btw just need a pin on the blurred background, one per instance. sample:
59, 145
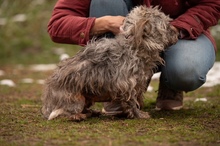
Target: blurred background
23, 33
24, 38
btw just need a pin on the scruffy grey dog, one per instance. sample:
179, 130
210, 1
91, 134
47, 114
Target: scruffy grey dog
111, 69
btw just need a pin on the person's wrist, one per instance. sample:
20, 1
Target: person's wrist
99, 27
182, 33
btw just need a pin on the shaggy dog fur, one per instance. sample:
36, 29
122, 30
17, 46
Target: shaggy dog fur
111, 69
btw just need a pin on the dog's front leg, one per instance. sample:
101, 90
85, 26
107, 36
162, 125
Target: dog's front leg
131, 110
87, 112
141, 114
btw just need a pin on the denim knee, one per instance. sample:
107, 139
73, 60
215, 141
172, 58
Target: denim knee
100, 8
183, 77
187, 63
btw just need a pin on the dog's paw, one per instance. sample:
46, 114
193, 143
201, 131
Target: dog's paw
138, 114
143, 115
78, 117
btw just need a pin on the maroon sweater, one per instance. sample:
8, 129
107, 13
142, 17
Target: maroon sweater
70, 22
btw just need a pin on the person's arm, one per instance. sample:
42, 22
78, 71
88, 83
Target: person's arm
70, 23
202, 15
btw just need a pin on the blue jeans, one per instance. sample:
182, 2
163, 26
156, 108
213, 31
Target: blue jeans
100, 8
186, 63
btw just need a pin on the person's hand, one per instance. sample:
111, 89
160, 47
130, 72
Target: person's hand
115, 23
107, 24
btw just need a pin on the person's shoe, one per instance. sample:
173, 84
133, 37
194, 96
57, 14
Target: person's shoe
169, 99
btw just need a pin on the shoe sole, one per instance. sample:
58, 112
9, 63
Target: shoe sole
168, 105
173, 108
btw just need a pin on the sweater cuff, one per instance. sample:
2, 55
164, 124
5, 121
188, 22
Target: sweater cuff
183, 34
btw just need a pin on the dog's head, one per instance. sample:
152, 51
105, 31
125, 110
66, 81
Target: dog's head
150, 28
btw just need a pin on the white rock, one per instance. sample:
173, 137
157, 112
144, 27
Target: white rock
40, 81
201, 99
27, 80
19, 18
150, 89
64, 56
7, 82
43, 67
213, 76
156, 76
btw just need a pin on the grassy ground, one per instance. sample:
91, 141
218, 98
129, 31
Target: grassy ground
21, 123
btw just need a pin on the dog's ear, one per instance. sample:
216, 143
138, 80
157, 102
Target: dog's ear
142, 27
143, 36
56, 113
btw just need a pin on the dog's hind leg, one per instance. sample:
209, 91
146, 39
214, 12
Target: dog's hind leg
70, 106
